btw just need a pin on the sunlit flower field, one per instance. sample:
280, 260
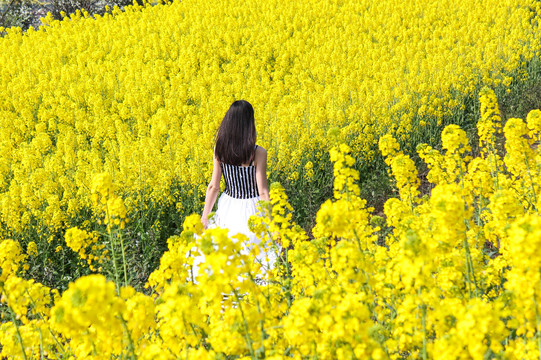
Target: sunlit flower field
107, 127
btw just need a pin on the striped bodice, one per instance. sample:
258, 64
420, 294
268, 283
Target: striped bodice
240, 182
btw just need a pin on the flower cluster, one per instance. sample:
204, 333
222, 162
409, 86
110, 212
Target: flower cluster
106, 203
86, 245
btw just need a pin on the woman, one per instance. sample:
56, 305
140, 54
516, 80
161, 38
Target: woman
243, 165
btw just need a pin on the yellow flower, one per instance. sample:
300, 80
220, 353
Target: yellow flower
32, 249
74, 316
11, 256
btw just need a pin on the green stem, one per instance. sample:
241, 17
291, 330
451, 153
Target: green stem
42, 319
131, 346
14, 321
288, 295
316, 356
538, 320
423, 322
469, 267
353, 356
285, 262
19, 337
41, 355
469, 261
201, 338
111, 239
531, 180
159, 336
468, 280
494, 169
123, 259
245, 323
472, 270
358, 240
262, 326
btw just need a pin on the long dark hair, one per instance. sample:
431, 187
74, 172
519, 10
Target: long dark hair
235, 140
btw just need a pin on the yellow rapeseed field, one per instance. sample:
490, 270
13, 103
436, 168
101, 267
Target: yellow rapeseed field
434, 291
103, 118
139, 94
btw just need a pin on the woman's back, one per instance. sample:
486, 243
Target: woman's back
240, 180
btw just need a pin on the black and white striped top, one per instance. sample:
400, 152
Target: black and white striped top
240, 182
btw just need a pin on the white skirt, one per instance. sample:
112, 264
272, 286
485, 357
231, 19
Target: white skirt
233, 214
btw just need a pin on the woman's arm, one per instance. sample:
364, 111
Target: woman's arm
260, 163
212, 191
262, 184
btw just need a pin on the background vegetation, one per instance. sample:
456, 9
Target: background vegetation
26, 13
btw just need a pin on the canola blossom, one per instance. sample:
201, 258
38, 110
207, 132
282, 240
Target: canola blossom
139, 94
434, 291
107, 127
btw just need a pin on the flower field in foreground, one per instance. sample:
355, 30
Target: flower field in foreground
434, 291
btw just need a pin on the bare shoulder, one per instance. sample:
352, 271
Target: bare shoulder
260, 156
